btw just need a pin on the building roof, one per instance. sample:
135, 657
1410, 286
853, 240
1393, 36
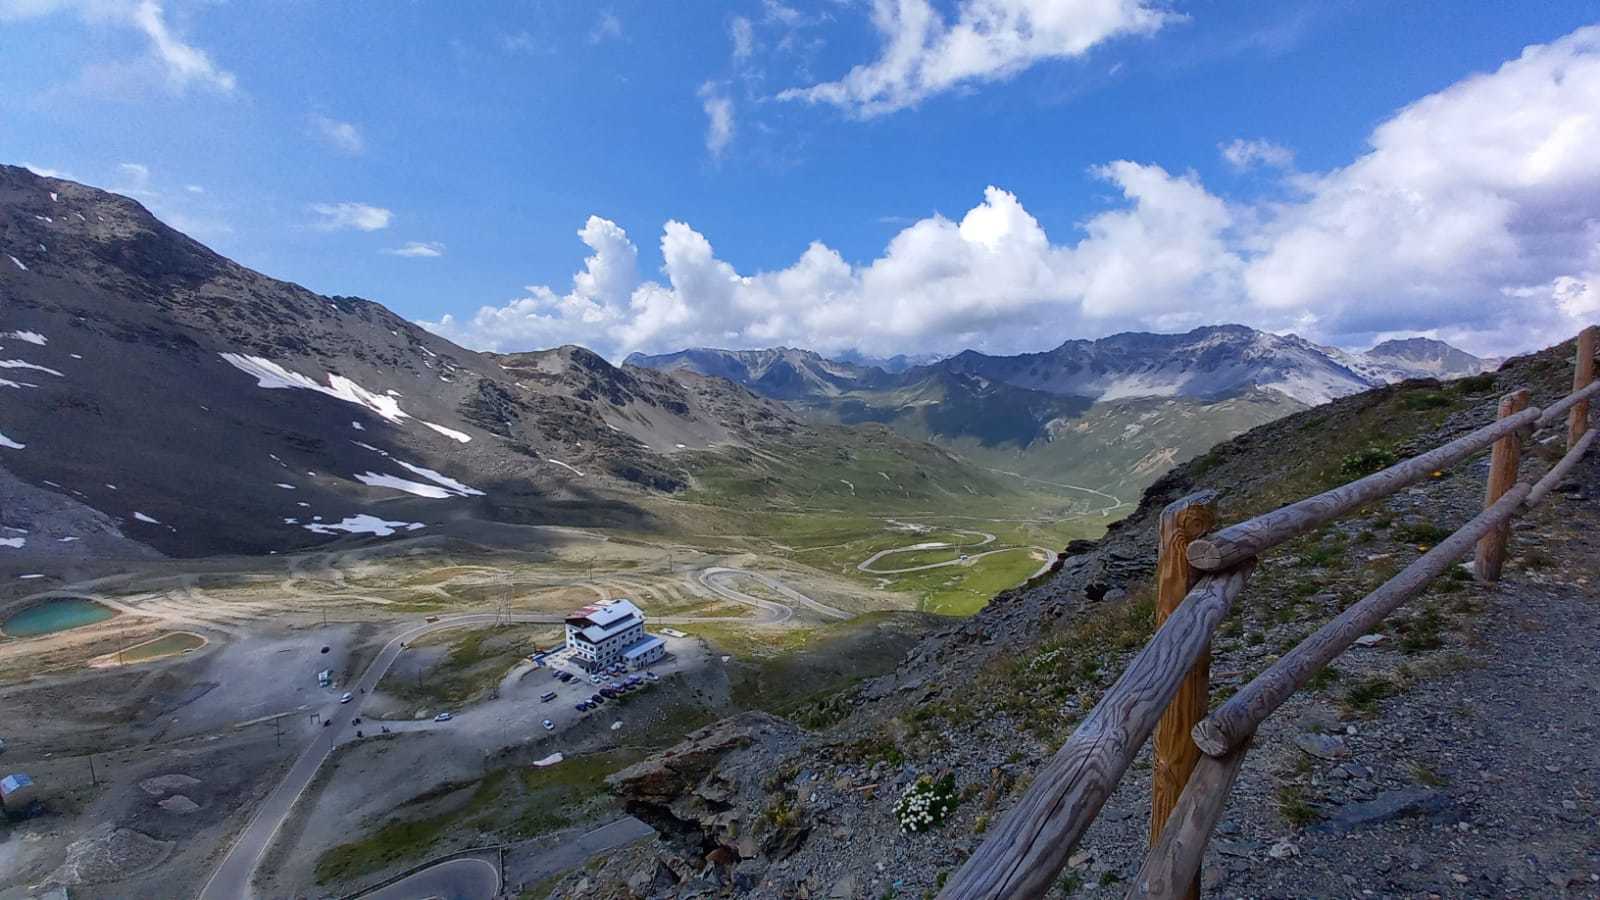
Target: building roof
642, 646
15, 782
605, 614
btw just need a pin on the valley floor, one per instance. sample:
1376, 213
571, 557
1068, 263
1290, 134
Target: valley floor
172, 738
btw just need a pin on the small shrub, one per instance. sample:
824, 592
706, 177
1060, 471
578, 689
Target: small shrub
926, 804
1476, 384
1366, 461
1069, 883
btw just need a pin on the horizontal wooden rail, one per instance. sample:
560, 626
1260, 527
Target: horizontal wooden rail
1174, 860
1559, 408
1238, 718
1026, 849
1250, 538
1561, 469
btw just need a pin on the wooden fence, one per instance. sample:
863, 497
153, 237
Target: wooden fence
1164, 688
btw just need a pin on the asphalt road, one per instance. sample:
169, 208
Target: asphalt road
231, 880
470, 878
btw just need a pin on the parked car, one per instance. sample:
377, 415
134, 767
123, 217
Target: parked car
551, 695
549, 725
597, 699
652, 676
594, 679
346, 697
443, 717
582, 707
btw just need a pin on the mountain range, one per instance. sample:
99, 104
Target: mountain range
1111, 413
158, 398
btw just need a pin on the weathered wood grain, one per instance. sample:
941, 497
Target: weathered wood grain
1028, 846
1243, 713
1236, 543
1560, 469
1503, 464
1172, 868
1582, 377
1175, 753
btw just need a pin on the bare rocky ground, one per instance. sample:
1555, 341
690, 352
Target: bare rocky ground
1452, 756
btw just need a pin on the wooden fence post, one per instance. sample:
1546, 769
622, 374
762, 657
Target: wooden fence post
1582, 374
1175, 752
1503, 461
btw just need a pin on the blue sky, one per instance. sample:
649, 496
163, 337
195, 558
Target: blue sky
442, 158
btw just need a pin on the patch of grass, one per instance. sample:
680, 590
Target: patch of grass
1423, 400
1295, 807
1420, 532
1424, 631
1069, 883
511, 804
1324, 678
1422, 774
1475, 384
1363, 696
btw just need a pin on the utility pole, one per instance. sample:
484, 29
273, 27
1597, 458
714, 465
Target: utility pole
93, 779
277, 727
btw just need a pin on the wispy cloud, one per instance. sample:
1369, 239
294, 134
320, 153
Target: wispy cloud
416, 249
719, 118
608, 27
344, 137
181, 64
45, 172
1246, 155
743, 35
356, 216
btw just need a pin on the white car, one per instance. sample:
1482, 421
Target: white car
443, 717
346, 698
549, 725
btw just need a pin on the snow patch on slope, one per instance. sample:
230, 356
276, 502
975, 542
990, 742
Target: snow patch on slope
271, 375
450, 433
32, 337
377, 479
363, 524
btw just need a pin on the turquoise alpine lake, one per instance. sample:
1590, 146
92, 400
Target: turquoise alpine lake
55, 615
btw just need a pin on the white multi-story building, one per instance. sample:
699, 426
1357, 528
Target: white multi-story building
611, 632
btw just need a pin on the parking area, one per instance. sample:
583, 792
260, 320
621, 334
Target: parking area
520, 710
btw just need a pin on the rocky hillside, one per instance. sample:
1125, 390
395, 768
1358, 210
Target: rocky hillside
157, 398
1385, 777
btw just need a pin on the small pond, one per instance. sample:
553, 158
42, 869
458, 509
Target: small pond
55, 615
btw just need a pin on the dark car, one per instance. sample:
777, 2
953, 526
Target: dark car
582, 707
597, 699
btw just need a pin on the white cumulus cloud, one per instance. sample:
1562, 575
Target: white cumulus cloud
925, 54
1474, 215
